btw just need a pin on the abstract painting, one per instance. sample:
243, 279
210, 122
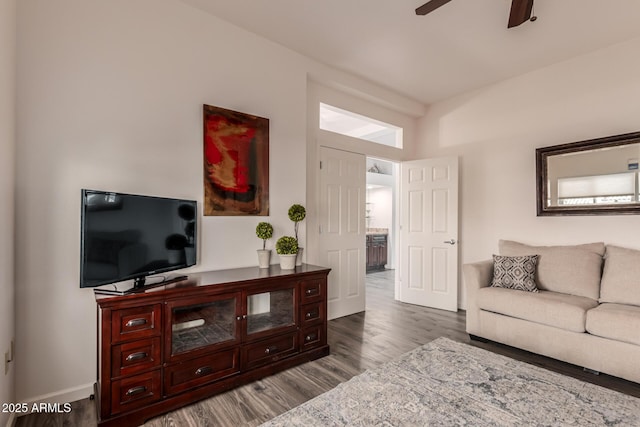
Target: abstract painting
236, 163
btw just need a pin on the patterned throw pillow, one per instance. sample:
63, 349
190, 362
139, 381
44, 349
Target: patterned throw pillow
515, 272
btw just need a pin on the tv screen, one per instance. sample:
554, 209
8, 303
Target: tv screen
127, 236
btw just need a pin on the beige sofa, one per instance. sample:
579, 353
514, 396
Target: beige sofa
582, 313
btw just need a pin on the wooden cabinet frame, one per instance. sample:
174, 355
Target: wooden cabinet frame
139, 377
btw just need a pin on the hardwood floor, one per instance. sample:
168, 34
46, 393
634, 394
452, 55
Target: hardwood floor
383, 332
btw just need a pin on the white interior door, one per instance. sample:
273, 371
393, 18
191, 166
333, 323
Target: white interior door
342, 236
429, 233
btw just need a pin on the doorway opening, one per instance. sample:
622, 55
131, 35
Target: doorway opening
381, 227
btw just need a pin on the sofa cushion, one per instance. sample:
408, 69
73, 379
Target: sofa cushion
515, 272
621, 276
573, 270
548, 308
618, 322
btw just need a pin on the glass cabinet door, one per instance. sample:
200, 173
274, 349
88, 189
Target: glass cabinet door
202, 323
270, 310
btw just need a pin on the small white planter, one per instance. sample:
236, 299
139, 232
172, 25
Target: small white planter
264, 258
288, 262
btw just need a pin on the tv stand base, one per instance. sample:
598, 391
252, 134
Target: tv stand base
139, 288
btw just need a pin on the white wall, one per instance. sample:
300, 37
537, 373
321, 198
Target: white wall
495, 131
7, 147
110, 97
381, 199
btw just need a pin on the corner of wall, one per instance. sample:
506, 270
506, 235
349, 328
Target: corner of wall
8, 60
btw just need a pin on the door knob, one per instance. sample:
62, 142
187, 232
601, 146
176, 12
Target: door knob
451, 242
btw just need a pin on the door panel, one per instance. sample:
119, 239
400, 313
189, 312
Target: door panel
353, 264
429, 223
342, 229
332, 200
415, 268
440, 212
439, 280
417, 216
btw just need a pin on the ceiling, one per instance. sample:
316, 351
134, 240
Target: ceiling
462, 46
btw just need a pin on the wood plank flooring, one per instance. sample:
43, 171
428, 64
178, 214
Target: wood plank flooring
383, 332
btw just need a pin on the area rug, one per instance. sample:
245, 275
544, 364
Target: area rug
447, 383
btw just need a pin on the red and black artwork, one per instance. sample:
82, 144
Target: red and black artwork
236, 163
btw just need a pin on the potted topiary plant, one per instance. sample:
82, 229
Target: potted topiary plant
296, 214
264, 231
287, 248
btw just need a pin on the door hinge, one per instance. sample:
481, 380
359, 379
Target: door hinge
320, 164
320, 229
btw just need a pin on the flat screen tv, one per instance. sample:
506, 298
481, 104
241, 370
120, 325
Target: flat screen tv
130, 237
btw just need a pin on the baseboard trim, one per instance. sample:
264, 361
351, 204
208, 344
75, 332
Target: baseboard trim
62, 396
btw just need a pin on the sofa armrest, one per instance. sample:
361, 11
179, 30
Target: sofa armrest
476, 275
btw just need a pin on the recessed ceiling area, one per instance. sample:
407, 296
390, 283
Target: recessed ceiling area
461, 46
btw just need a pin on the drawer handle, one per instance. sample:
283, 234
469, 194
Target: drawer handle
311, 314
271, 350
136, 390
135, 322
312, 291
310, 337
136, 356
204, 370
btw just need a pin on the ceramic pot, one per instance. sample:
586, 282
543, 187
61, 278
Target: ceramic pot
299, 256
288, 262
264, 258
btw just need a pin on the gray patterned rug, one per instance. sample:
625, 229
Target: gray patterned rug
446, 383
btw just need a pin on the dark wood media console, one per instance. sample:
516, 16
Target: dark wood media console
170, 346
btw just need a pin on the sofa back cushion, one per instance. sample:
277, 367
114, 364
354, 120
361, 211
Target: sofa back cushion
621, 276
573, 270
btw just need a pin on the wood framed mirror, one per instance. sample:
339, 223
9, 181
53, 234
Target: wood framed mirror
593, 177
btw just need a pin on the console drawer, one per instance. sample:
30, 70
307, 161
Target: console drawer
135, 392
312, 337
202, 370
135, 323
133, 357
311, 314
312, 290
270, 350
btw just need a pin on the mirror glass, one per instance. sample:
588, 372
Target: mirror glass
592, 177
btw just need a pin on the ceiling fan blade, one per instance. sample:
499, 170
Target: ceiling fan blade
430, 6
520, 12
